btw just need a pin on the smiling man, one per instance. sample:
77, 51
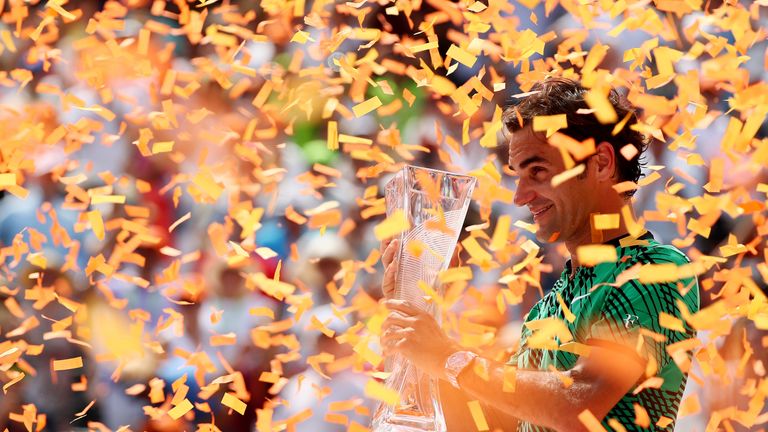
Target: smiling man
615, 340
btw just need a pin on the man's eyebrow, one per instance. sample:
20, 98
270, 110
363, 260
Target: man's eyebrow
530, 160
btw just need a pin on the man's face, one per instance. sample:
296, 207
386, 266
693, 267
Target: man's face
561, 212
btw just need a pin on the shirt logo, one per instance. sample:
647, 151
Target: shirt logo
631, 321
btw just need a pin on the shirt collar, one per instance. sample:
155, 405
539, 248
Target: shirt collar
616, 241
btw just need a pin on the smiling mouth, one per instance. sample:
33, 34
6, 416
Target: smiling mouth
541, 211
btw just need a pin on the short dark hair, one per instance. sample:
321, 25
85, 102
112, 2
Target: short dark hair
559, 95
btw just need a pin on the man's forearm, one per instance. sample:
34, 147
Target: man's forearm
539, 397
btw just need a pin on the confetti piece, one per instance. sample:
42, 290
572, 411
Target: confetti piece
364, 108
546, 331
641, 416
590, 421
357, 427
85, 410
392, 225
97, 223
629, 152
68, 364
569, 316
349, 139
510, 378
591, 255
333, 136
326, 170
488, 140
664, 422
162, 147
656, 273
671, 322
455, 274
409, 97
424, 47
378, 391
261, 97
56, 6
594, 58
531, 228
477, 7
477, 415
108, 199
597, 99
207, 184
564, 176
7, 179
231, 401
301, 37
223, 340
689, 405
606, 221
579, 150
13, 381
461, 56
180, 221
476, 251
612, 422
550, 124
179, 410
265, 252
135, 389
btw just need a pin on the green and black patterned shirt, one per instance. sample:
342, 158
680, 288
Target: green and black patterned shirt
608, 313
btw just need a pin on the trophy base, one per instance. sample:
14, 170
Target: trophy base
409, 423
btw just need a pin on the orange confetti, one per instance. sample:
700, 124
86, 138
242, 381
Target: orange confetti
68, 364
477, 415
364, 108
378, 391
231, 401
396, 223
590, 421
179, 410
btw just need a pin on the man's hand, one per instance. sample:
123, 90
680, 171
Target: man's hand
390, 267
417, 336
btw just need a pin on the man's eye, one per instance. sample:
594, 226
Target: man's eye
537, 171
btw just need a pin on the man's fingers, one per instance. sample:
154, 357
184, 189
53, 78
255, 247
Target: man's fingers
392, 346
389, 252
394, 335
396, 319
402, 306
385, 244
388, 285
390, 271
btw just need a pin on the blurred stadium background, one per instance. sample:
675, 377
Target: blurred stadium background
191, 190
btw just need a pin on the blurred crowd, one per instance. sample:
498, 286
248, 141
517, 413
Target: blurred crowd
239, 256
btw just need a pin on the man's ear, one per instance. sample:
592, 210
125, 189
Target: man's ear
605, 161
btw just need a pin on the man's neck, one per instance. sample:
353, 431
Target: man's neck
586, 238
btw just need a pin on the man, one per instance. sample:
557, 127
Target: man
619, 340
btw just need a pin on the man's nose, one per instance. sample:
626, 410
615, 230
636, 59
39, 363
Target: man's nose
524, 194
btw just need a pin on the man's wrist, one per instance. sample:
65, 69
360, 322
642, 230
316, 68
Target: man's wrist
455, 364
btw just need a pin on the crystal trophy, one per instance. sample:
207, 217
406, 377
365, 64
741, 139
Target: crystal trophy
435, 204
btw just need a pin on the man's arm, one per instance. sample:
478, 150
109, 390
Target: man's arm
556, 399
551, 399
